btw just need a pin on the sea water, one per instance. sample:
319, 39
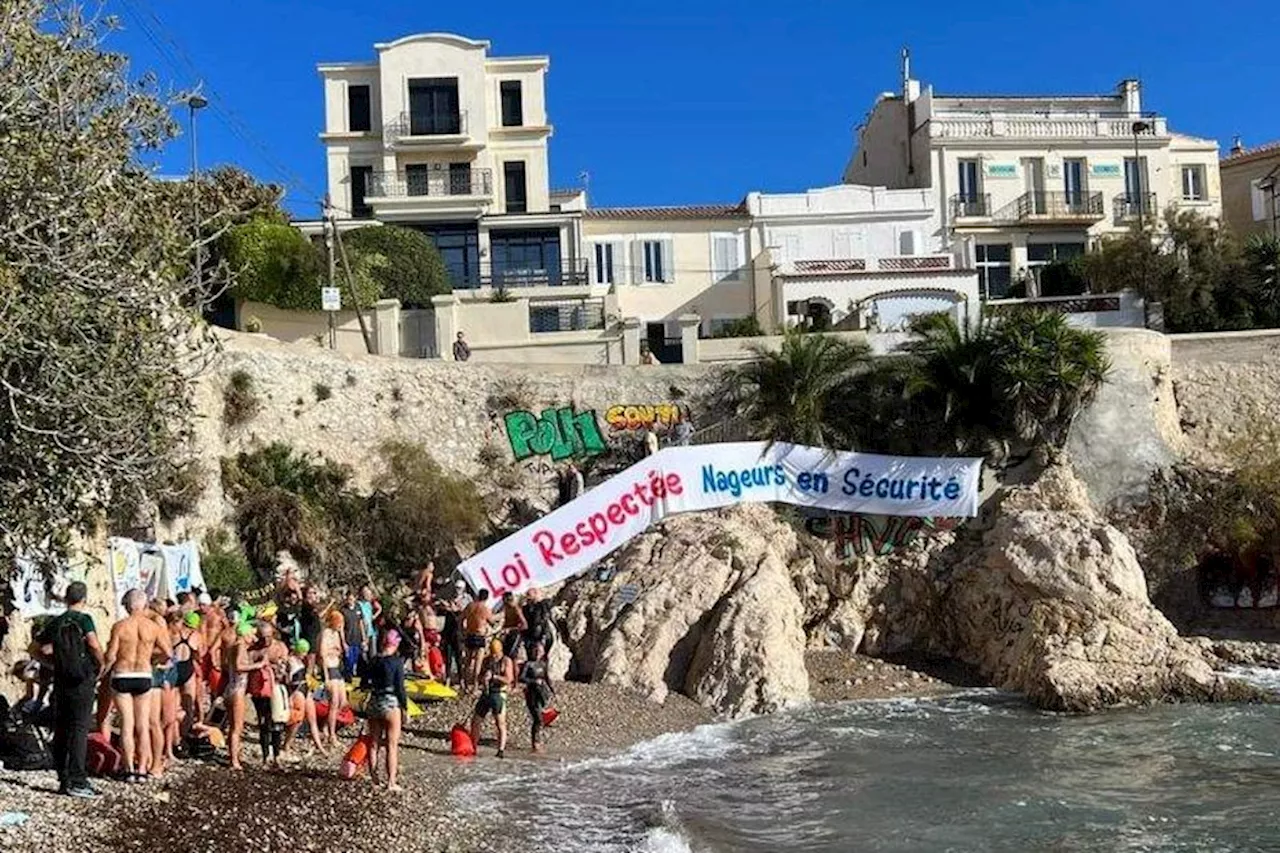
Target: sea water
978, 770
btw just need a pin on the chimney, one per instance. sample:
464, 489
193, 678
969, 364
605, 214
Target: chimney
1237, 147
1130, 91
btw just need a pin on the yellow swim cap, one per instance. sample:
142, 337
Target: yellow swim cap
495, 648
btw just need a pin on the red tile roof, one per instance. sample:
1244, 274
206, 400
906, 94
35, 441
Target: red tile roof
1257, 152
686, 211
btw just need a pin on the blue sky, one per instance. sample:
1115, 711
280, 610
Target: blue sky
701, 101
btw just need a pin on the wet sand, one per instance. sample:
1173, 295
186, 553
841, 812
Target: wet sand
202, 807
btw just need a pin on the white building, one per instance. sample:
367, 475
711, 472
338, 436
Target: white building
437, 135
1020, 181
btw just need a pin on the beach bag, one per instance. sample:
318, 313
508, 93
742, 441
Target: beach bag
279, 704
102, 758
346, 717
357, 757
549, 716
71, 659
259, 683
460, 742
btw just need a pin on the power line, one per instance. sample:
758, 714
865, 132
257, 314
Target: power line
179, 61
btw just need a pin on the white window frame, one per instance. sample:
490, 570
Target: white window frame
734, 271
643, 272
1199, 176
613, 249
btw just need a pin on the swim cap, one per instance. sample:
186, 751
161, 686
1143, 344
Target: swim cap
192, 619
244, 628
301, 647
236, 617
495, 648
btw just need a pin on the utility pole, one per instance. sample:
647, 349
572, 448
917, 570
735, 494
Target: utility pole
329, 229
351, 287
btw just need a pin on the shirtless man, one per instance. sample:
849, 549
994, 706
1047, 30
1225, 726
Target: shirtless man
136, 641
213, 621
499, 673
477, 620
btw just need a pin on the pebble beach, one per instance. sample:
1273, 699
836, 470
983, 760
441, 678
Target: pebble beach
201, 806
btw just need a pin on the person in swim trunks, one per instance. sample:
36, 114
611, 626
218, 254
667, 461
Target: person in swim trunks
135, 642
499, 672
477, 620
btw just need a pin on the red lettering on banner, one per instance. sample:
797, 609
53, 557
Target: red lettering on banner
673, 484
569, 543
493, 587
628, 503
599, 526
640, 493
616, 514
546, 543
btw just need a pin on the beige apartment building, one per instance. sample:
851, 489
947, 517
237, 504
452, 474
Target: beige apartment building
1251, 189
1022, 180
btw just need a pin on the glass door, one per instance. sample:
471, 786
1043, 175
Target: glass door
1033, 184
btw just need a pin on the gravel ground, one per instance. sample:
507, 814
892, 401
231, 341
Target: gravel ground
201, 807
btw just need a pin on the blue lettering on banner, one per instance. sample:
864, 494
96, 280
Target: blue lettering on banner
807, 482
898, 488
736, 482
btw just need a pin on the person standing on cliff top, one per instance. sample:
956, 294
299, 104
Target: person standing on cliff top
650, 441
461, 351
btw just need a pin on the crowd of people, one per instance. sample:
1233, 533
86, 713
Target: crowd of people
179, 678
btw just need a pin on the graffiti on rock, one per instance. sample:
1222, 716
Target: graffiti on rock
559, 433
859, 535
622, 418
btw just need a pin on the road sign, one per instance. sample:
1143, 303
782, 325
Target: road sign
330, 299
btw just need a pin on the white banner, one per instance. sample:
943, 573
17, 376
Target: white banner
574, 537
161, 571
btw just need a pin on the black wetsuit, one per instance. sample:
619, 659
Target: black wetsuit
538, 615
537, 693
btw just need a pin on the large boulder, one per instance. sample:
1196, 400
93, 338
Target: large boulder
702, 605
1053, 604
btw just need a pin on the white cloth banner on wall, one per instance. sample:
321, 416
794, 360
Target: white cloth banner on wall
161, 571
571, 539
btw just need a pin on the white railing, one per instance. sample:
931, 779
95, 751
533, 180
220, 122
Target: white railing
854, 266
1031, 127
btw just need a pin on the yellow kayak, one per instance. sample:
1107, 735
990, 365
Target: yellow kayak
428, 690
358, 697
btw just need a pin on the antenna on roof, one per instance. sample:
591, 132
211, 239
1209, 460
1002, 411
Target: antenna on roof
906, 68
1237, 146
585, 177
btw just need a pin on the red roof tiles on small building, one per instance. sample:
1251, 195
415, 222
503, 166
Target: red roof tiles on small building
1255, 153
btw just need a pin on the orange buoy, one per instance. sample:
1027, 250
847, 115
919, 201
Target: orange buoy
435, 662
460, 742
356, 758
549, 716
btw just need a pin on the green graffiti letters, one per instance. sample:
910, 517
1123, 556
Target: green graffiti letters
559, 433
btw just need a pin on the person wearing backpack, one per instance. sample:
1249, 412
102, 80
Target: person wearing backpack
69, 642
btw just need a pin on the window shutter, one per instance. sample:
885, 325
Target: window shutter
636, 273
906, 242
1259, 200
668, 260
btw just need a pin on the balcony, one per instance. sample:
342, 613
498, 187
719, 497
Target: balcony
433, 183
1127, 208
970, 206
564, 273
1055, 207
419, 130
1064, 126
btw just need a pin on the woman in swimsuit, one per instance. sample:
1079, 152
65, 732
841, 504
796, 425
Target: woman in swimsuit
383, 677
332, 651
302, 708
273, 657
239, 664
537, 691
188, 647
164, 704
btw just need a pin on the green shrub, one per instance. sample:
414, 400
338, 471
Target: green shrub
743, 327
275, 263
277, 465
419, 512
223, 564
240, 401
413, 271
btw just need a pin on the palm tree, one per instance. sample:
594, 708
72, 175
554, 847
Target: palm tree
788, 394
1022, 377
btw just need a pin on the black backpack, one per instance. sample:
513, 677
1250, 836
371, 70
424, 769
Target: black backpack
72, 663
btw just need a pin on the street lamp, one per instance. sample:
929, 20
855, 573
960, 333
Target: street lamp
1139, 127
196, 102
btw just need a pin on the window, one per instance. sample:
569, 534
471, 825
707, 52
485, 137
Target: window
725, 260
1073, 180
968, 180
655, 260
603, 271
459, 248
513, 180
417, 179
359, 186
359, 117
1193, 183
526, 257
906, 242
433, 107
1258, 200
994, 269
460, 179
1135, 178
512, 103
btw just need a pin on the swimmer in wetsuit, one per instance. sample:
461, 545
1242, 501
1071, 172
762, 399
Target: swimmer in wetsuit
135, 642
538, 692
499, 673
